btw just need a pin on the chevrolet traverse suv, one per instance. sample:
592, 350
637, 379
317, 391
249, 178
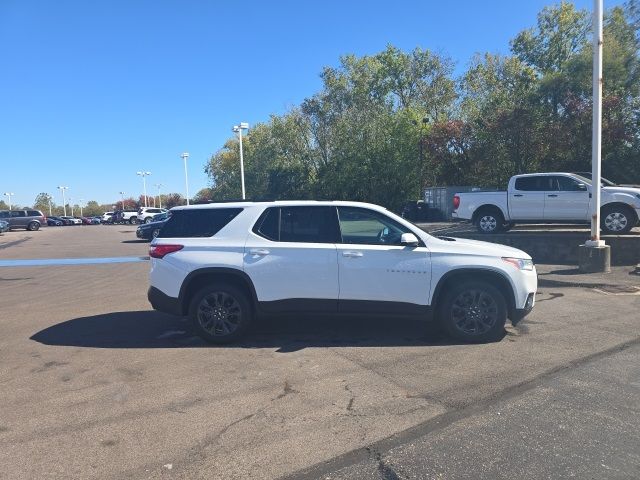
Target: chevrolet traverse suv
223, 264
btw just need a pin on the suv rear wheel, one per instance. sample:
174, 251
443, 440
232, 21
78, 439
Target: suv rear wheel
33, 226
220, 313
473, 312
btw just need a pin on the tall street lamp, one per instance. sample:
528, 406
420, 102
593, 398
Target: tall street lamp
238, 129
49, 204
159, 197
81, 201
64, 203
122, 197
184, 157
144, 185
71, 205
9, 194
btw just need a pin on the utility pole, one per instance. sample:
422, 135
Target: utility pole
64, 203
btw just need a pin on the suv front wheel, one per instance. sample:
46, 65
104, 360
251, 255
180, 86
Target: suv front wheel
220, 313
473, 312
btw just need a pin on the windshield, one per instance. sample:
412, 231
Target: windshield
586, 177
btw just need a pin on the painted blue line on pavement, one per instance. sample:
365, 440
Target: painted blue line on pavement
40, 262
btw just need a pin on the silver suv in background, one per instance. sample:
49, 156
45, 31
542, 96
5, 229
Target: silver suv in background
29, 219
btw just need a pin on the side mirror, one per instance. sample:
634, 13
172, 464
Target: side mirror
582, 187
409, 240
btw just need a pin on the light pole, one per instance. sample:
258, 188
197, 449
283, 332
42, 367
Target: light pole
144, 185
238, 129
184, 157
49, 205
122, 197
71, 205
81, 200
9, 194
159, 197
64, 203
594, 255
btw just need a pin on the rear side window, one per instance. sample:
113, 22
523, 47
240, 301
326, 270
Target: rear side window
535, 184
299, 224
17, 213
33, 213
197, 222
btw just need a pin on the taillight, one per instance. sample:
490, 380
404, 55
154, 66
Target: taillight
456, 202
159, 251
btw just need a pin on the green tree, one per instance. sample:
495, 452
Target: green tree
43, 201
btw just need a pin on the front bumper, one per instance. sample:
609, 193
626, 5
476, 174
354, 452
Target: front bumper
519, 313
164, 303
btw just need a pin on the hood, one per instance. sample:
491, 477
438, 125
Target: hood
628, 190
477, 247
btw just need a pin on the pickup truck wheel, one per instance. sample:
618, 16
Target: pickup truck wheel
617, 220
489, 221
473, 312
220, 313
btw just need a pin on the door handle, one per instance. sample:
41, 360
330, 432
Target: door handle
552, 195
518, 195
259, 251
351, 254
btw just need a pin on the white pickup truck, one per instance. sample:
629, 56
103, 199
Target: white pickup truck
548, 198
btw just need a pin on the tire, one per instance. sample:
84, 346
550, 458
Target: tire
489, 221
234, 313
33, 226
473, 312
617, 219
133, 220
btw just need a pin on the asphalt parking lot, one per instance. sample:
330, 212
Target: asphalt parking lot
94, 384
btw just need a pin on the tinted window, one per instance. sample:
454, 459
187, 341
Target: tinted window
268, 225
308, 224
4, 214
366, 227
18, 213
566, 184
198, 222
535, 184
33, 213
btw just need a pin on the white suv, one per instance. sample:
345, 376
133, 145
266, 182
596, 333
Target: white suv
221, 264
146, 214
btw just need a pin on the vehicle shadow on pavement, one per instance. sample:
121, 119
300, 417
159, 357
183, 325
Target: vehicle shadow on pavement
150, 329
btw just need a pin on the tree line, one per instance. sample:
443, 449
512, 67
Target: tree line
385, 126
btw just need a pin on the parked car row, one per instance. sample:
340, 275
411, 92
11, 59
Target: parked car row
142, 215
150, 230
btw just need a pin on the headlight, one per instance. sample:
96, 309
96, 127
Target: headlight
519, 263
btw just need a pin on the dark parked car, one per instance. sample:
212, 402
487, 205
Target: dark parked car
54, 222
149, 231
64, 221
4, 226
29, 219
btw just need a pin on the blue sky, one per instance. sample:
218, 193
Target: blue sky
91, 92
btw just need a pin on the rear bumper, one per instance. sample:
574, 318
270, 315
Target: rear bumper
164, 303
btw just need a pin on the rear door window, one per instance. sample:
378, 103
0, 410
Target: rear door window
18, 213
535, 184
33, 213
299, 224
197, 222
